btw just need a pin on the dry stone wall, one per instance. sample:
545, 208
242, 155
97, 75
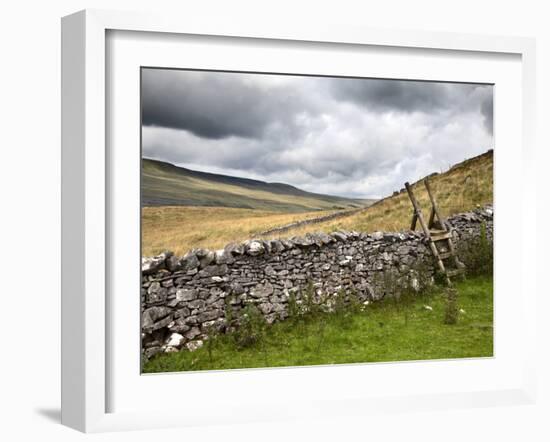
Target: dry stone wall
317, 220
182, 298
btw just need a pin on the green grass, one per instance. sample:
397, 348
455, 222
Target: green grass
384, 331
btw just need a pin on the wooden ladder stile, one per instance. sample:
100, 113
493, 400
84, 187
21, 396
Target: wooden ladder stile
435, 235
444, 226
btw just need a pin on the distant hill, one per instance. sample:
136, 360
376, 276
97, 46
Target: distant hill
163, 184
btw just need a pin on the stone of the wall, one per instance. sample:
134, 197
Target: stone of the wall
182, 298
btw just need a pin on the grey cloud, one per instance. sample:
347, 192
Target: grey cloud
487, 111
397, 95
217, 104
417, 96
410, 96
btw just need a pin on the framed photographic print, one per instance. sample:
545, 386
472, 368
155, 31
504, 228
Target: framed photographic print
290, 222
276, 225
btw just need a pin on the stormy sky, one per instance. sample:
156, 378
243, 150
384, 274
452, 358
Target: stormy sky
359, 138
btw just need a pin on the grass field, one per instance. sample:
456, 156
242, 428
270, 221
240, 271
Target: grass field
384, 331
181, 228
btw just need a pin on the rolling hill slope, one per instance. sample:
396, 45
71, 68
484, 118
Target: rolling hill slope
461, 188
164, 184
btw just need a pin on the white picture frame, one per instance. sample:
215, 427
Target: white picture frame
87, 207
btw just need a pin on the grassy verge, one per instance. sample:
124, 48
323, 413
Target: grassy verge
411, 329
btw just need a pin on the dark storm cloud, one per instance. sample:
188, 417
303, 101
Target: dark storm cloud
415, 96
403, 96
330, 135
215, 105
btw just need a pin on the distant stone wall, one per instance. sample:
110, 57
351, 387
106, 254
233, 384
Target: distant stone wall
317, 220
184, 297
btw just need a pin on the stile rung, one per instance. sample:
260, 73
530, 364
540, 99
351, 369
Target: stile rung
454, 272
440, 237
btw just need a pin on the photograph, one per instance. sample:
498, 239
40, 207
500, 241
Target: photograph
302, 220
